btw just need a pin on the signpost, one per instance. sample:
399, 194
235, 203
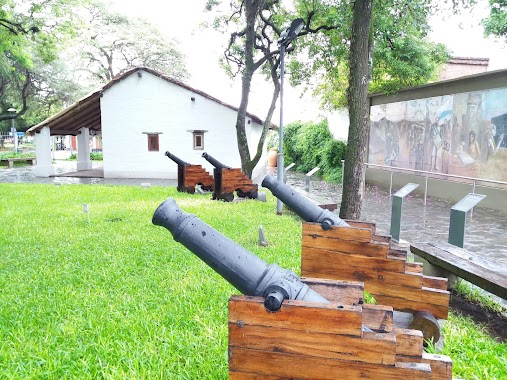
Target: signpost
396, 209
459, 217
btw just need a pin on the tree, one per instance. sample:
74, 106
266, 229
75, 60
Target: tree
357, 97
113, 43
379, 46
253, 47
30, 35
496, 23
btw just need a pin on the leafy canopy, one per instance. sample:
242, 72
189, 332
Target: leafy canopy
496, 23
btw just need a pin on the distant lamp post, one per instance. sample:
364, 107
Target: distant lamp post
284, 41
12, 111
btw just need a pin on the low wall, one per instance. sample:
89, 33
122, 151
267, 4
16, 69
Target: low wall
496, 198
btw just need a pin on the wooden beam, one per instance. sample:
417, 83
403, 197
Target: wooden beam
456, 260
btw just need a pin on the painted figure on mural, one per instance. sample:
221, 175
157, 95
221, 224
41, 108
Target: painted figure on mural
490, 136
419, 156
436, 139
391, 144
473, 147
445, 157
456, 135
412, 144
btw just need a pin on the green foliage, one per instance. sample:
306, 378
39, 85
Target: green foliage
117, 297
16, 155
369, 299
113, 43
109, 295
402, 55
396, 67
309, 145
475, 294
31, 35
94, 156
334, 154
273, 140
474, 354
496, 23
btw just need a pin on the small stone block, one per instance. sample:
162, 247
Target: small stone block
145, 185
261, 196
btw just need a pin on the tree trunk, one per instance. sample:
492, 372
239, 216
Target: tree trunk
251, 9
267, 121
357, 96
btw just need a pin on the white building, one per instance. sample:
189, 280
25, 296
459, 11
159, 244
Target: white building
140, 115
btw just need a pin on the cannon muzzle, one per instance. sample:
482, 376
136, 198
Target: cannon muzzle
307, 210
246, 272
214, 162
179, 161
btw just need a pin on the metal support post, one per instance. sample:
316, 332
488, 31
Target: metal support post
308, 178
286, 170
397, 205
458, 218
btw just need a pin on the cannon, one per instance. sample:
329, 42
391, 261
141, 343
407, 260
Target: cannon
217, 164
228, 180
189, 176
178, 160
241, 268
307, 210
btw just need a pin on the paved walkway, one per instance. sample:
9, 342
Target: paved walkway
486, 229
485, 232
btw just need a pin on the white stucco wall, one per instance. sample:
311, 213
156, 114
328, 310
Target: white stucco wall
150, 104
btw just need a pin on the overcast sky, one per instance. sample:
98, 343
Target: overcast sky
181, 20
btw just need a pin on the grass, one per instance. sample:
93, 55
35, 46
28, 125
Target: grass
475, 355
109, 295
117, 297
94, 156
474, 294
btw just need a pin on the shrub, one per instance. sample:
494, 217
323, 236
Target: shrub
311, 144
15, 155
334, 153
94, 156
290, 147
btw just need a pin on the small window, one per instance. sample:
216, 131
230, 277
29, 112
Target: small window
198, 140
153, 143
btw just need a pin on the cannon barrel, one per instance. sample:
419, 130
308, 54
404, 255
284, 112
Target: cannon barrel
246, 272
214, 162
178, 160
306, 209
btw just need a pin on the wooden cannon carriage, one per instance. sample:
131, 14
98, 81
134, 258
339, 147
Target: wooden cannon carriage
308, 340
346, 250
228, 180
286, 327
189, 176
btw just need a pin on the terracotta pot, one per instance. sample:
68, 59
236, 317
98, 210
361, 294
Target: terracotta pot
272, 157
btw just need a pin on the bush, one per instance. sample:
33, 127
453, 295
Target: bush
334, 153
290, 147
94, 156
15, 155
309, 145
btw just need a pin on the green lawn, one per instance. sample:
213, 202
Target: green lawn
109, 295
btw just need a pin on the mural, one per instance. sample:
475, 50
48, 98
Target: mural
462, 134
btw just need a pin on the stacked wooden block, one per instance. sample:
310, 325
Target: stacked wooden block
189, 176
357, 253
227, 181
326, 341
